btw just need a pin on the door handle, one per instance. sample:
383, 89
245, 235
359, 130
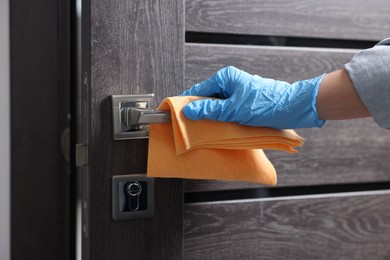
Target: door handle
134, 118
131, 116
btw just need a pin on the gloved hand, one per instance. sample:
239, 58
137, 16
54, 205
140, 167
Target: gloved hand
255, 101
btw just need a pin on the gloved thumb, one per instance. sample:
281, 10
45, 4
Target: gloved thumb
204, 109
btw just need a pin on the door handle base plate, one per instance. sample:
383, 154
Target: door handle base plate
119, 102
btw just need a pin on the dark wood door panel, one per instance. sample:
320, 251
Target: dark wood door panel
283, 63
342, 152
351, 19
137, 47
352, 151
335, 226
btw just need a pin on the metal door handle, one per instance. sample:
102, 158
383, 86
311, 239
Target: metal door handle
131, 116
134, 117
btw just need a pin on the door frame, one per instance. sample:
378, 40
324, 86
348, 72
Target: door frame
41, 196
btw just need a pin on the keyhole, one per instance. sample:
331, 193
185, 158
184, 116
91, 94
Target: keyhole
133, 191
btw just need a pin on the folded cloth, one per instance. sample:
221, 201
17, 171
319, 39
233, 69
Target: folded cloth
213, 150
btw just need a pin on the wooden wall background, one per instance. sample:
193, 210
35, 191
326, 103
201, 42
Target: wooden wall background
349, 155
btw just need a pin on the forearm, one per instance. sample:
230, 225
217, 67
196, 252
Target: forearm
338, 99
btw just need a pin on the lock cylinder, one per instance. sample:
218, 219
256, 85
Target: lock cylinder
132, 196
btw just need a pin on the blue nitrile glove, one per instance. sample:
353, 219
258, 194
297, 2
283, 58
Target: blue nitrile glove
255, 101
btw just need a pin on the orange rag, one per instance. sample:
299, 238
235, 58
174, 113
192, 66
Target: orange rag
213, 150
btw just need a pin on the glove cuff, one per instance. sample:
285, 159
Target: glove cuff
304, 111
317, 121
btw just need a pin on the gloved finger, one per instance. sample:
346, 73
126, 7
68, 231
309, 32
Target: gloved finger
205, 109
219, 85
211, 87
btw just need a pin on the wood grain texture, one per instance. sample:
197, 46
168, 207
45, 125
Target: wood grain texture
350, 19
283, 63
341, 152
40, 106
332, 227
136, 47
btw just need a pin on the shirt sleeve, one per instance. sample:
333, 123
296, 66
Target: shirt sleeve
369, 71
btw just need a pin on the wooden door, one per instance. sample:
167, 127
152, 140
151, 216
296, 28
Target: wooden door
331, 201
129, 47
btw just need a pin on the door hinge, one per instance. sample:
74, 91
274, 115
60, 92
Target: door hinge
81, 155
